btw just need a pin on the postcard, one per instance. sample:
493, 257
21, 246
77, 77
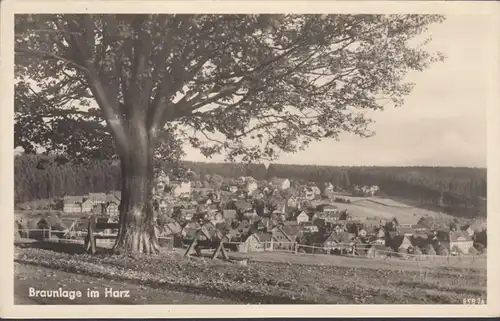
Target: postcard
250, 158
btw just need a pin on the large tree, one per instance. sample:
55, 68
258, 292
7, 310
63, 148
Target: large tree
247, 86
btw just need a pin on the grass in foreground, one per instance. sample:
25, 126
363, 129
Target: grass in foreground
268, 282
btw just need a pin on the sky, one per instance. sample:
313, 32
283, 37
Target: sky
443, 121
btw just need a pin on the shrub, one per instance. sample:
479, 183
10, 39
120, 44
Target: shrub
479, 247
473, 251
428, 250
417, 251
441, 250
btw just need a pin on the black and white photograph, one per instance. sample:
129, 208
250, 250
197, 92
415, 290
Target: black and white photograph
267, 158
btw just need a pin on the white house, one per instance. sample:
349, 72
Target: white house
281, 183
182, 189
285, 184
315, 190
233, 189
72, 204
112, 209
87, 206
302, 217
252, 187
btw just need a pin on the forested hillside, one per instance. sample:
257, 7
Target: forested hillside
458, 186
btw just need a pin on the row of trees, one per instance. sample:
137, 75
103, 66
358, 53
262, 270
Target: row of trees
37, 178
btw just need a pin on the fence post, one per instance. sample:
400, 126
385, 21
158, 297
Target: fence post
50, 232
295, 247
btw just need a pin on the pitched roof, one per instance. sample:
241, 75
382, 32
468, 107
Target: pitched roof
263, 236
69, 199
97, 197
459, 236
405, 230
173, 228
229, 214
242, 205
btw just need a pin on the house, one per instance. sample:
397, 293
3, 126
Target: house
281, 183
292, 231
233, 189
328, 209
112, 209
455, 241
379, 232
406, 231
252, 186
309, 228
377, 250
258, 242
404, 221
265, 224
182, 189
302, 217
419, 228
97, 198
375, 239
399, 241
114, 196
87, 206
292, 202
229, 215
468, 229
72, 204
281, 240
335, 241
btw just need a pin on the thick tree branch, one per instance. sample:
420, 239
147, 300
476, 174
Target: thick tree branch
48, 55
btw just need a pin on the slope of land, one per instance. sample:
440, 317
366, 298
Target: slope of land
386, 208
42, 278
268, 282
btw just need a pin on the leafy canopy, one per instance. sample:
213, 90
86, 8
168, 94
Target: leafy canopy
247, 86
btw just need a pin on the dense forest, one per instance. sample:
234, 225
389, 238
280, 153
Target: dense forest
36, 177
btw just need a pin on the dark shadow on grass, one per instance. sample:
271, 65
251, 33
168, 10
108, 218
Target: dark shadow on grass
62, 247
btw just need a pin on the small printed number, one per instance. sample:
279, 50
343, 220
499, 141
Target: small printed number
473, 301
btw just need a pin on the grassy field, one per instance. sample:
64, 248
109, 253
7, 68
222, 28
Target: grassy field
289, 279
385, 208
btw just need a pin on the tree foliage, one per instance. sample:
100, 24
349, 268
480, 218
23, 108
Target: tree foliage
279, 81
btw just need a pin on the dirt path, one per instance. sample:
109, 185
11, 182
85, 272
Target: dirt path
48, 279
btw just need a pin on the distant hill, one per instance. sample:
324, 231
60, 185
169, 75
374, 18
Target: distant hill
459, 190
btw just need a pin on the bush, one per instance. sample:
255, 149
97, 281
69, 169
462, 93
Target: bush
441, 250
479, 247
428, 250
473, 251
417, 251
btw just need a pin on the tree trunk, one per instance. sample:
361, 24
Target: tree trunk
137, 233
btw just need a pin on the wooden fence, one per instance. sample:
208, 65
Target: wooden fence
344, 249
